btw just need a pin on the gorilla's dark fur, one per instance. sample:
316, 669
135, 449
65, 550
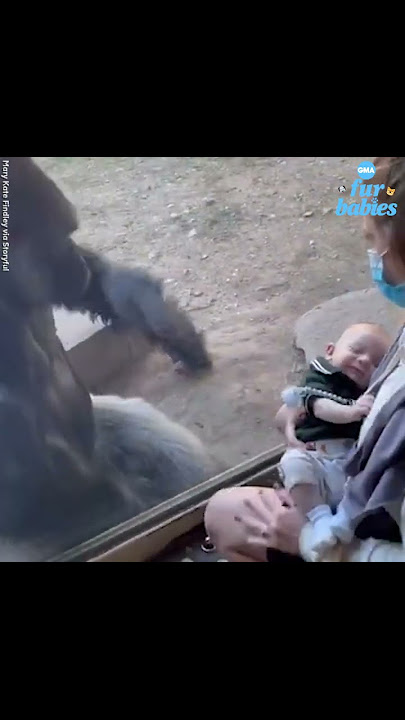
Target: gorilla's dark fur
71, 465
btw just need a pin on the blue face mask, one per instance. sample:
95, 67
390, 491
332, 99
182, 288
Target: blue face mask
394, 293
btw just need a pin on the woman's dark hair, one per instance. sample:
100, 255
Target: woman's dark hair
390, 172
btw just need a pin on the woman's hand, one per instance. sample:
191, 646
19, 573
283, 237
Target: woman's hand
272, 520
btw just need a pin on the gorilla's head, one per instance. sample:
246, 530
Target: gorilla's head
43, 264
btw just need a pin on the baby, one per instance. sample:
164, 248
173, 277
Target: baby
322, 418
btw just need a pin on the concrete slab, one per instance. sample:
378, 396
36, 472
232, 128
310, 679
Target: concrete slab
325, 322
98, 353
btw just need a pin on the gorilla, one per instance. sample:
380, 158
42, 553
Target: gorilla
73, 465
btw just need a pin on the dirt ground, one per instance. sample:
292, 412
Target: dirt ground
247, 245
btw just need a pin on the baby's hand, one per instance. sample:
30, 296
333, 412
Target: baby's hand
292, 417
362, 406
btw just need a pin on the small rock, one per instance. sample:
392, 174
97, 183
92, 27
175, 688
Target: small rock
170, 205
272, 216
188, 560
325, 211
209, 201
187, 271
312, 243
197, 293
204, 257
308, 213
192, 233
174, 216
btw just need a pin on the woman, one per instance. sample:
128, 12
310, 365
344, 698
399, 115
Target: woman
250, 524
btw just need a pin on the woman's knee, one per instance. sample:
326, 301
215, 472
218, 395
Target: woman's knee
223, 528
218, 516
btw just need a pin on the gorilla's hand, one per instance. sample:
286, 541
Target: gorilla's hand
133, 298
138, 301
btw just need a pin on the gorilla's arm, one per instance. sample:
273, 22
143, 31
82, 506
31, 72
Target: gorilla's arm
131, 297
120, 296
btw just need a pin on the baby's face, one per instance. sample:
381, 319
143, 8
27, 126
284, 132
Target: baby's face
358, 352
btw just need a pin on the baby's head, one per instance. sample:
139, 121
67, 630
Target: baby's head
359, 351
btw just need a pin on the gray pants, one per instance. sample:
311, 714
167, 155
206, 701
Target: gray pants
322, 467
